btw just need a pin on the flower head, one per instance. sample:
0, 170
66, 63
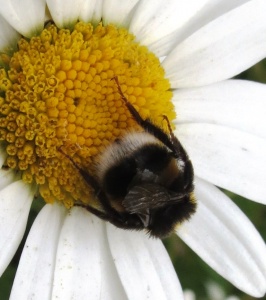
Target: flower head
60, 109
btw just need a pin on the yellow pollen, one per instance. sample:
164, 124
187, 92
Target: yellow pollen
57, 100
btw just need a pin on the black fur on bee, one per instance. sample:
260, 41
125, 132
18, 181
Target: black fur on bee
143, 180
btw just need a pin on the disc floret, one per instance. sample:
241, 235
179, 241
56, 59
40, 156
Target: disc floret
57, 100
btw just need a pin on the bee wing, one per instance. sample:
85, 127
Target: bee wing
142, 198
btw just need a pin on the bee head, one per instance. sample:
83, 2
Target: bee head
159, 209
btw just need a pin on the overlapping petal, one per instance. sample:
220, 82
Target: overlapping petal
26, 16
78, 270
154, 20
91, 11
15, 202
224, 237
111, 284
203, 12
35, 272
227, 157
164, 268
217, 52
137, 265
8, 36
7, 176
123, 11
64, 12
238, 104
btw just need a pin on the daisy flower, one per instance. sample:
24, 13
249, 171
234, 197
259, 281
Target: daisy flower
172, 58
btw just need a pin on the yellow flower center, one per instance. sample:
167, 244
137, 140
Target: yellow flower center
57, 96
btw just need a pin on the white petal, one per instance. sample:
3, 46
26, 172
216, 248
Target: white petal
91, 11
224, 237
8, 36
7, 176
118, 12
135, 265
221, 49
156, 19
238, 104
78, 262
65, 12
35, 272
26, 16
111, 284
15, 202
194, 15
227, 157
164, 268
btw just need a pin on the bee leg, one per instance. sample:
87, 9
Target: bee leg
171, 142
169, 127
87, 177
108, 213
100, 214
178, 148
147, 125
121, 220
180, 151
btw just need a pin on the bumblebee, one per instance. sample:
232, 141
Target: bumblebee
143, 181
